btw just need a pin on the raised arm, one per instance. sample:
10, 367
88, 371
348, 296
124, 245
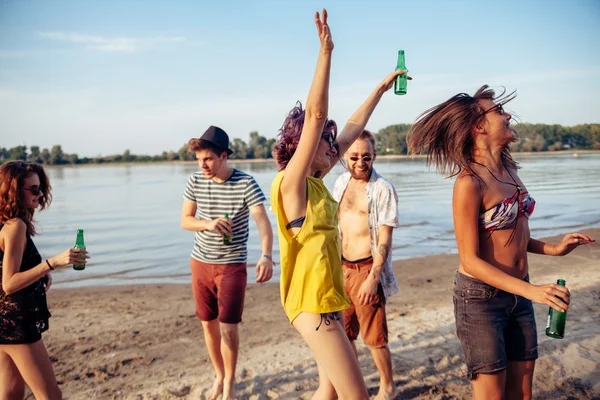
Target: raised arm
357, 122
293, 184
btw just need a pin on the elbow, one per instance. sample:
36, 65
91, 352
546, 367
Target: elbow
468, 263
8, 289
316, 112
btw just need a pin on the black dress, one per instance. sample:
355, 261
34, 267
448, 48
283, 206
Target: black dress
24, 314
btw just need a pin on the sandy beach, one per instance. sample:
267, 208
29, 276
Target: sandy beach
144, 341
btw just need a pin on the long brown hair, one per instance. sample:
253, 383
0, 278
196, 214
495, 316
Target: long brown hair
445, 131
12, 201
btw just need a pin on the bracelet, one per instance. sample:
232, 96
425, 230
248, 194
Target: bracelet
50, 266
268, 257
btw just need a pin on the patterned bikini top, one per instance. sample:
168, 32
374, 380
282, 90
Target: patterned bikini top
504, 214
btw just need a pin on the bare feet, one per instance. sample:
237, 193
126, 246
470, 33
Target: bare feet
387, 395
229, 391
217, 389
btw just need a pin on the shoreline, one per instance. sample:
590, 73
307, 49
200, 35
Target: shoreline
271, 160
145, 342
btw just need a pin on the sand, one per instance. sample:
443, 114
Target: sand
144, 341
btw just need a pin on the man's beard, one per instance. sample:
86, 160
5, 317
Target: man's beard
360, 175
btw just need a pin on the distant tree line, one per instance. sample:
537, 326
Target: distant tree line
533, 137
390, 140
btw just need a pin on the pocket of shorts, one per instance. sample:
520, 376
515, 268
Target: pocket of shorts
477, 294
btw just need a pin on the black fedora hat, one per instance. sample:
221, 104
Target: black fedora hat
218, 137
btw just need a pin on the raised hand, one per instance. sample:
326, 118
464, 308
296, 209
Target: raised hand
68, 257
570, 242
388, 82
323, 31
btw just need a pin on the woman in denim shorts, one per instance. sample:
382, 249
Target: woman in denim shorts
468, 137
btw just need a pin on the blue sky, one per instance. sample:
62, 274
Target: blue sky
99, 77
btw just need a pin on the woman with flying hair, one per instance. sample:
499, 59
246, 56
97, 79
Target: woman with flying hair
312, 288
468, 137
24, 187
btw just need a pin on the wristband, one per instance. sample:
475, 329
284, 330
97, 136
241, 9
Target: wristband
50, 266
268, 257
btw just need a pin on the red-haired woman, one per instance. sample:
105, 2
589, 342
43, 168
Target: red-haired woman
25, 278
468, 137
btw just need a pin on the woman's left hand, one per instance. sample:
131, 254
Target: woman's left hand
570, 242
48, 281
388, 82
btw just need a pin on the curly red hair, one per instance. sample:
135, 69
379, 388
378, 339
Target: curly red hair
12, 177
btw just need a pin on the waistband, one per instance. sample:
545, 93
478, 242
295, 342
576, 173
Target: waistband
357, 264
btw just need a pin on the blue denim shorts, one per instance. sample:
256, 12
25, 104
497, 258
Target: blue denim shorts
493, 326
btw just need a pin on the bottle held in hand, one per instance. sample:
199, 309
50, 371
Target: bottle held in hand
401, 81
227, 239
555, 327
79, 244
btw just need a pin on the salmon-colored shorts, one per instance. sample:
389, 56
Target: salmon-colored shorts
219, 290
367, 319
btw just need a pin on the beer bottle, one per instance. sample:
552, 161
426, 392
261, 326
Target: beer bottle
227, 239
400, 82
79, 244
555, 327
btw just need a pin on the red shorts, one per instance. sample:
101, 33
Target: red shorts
219, 290
368, 319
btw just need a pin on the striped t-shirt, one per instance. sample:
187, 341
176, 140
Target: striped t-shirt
213, 200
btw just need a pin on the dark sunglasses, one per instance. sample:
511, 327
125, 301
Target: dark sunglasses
498, 108
329, 137
366, 159
34, 189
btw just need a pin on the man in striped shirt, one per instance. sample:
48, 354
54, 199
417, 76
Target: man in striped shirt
217, 203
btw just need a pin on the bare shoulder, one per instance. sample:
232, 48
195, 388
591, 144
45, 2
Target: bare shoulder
467, 184
14, 228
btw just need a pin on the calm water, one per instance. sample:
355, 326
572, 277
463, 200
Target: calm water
131, 213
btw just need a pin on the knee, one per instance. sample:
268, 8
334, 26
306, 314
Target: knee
229, 333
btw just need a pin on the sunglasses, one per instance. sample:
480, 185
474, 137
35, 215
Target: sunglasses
329, 137
498, 108
35, 190
366, 159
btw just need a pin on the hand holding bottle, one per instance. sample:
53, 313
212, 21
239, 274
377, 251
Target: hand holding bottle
222, 226
389, 80
553, 295
70, 256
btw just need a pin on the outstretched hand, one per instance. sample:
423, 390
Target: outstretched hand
570, 242
388, 82
323, 31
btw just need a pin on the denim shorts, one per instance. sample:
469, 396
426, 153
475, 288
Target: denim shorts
493, 326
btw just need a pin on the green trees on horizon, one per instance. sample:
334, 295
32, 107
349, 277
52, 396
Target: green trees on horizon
391, 140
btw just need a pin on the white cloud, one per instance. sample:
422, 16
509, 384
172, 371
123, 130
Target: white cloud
112, 44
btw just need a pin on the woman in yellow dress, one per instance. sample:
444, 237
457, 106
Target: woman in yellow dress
312, 288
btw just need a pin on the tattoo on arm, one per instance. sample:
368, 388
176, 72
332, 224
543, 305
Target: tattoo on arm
383, 250
375, 271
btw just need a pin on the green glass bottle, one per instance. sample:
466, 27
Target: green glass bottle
227, 239
401, 81
555, 327
79, 244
